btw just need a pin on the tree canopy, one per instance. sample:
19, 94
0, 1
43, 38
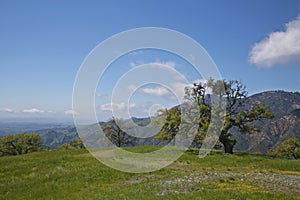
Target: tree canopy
19, 144
290, 149
228, 96
115, 134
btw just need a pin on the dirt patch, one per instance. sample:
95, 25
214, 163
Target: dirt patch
286, 183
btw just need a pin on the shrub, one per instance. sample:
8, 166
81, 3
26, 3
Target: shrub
289, 149
19, 144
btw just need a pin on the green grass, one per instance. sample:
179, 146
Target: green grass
243, 161
77, 175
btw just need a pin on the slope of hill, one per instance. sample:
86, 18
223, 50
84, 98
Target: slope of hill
76, 174
286, 124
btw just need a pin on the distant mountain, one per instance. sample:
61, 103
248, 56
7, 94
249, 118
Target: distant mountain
286, 124
13, 127
55, 137
52, 134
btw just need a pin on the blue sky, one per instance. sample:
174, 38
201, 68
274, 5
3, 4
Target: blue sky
43, 44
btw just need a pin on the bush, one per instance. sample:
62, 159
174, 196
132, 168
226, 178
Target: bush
289, 149
75, 144
19, 144
65, 146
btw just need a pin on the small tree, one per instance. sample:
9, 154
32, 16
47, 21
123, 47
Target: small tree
19, 144
170, 121
115, 134
77, 143
194, 125
290, 149
65, 146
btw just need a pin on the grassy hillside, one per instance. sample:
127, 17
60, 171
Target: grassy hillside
76, 175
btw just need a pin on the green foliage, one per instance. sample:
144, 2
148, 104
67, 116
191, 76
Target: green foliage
115, 134
19, 144
289, 149
75, 144
203, 94
65, 146
236, 95
195, 122
170, 121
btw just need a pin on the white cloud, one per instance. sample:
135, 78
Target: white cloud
136, 52
136, 63
122, 110
110, 107
132, 88
176, 90
71, 112
279, 48
8, 110
158, 91
192, 57
132, 105
133, 64
102, 96
174, 94
170, 64
115, 106
98, 94
33, 110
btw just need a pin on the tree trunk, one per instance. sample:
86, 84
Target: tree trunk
227, 142
228, 147
119, 140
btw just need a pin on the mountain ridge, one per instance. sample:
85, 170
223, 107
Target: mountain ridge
286, 124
